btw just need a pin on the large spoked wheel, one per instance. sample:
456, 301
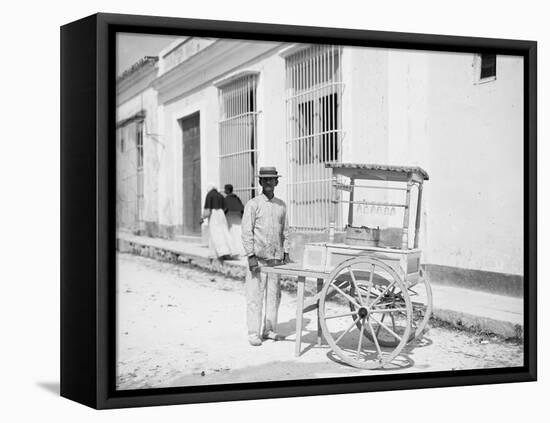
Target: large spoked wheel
355, 301
420, 295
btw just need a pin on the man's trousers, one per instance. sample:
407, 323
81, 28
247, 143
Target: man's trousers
255, 293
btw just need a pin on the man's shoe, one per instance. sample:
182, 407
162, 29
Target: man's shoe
254, 340
274, 336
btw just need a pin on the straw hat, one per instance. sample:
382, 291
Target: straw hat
268, 172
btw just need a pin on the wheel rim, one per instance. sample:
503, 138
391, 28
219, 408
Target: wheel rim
422, 304
345, 329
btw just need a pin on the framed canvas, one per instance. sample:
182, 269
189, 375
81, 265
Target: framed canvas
257, 211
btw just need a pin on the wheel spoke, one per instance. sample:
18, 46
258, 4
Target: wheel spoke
350, 299
385, 304
387, 328
382, 293
375, 340
360, 337
370, 290
368, 294
341, 315
381, 320
371, 278
389, 310
343, 284
354, 281
347, 330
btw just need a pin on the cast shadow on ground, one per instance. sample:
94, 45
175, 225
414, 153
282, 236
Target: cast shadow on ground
310, 337
272, 371
401, 362
51, 387
289, 328
421, 342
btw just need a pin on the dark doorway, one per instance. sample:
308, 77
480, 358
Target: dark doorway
190, 128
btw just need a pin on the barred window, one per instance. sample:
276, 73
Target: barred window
139, 145
488, 66
314, 134
485, 68
130, 175
140, 188
238, 136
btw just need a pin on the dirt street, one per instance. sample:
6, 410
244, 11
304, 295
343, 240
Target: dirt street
179, 326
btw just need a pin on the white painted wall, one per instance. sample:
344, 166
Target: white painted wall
365, 104
424, 109
475, 196
272, 119
365, 120
399, 107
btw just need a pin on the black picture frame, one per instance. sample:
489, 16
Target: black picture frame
88, 240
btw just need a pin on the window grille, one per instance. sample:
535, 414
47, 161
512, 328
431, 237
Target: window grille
485, 68
130, 162
314, 134
140, 191
238, 136
488, 66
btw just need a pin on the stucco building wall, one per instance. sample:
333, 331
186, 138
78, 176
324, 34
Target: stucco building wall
427, 109
398, 107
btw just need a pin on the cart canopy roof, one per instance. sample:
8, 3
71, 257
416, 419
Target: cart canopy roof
379, 172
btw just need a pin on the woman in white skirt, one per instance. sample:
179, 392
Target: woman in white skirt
219, 240
234, 208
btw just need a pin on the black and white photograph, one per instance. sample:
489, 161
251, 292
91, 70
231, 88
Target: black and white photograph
265, 212
297, 211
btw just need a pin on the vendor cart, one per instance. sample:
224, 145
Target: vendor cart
371, 297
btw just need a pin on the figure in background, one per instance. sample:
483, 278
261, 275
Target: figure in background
219, 239
265, 241
234, 213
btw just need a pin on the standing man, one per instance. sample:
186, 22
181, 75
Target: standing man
265, 242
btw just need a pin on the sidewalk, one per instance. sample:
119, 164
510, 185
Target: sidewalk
466, 308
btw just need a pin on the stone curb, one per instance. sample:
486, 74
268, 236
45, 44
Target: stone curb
470, 322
